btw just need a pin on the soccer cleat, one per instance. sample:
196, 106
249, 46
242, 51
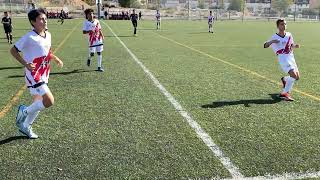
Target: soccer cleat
283, 82
21, 115
28, 132
100, 69
88, 62
286, 97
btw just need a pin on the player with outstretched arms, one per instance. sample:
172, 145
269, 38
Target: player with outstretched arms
283, 44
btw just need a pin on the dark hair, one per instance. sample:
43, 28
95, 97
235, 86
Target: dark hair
280, 21
5, 12
88, 11
33, 14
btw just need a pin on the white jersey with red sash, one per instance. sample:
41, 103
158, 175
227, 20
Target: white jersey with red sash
37, 50
95, 37
285, 44
284, 51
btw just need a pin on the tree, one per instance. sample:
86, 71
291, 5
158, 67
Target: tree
235, 5
124, 3
281, 6
201, 4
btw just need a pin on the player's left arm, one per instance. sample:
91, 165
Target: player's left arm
294, 45
101, 34
57, 60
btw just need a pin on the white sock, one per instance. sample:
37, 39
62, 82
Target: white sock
34, 107
30, 119
289, 84
285, 79
99, 60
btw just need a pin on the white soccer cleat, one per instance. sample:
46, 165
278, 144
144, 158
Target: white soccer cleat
28, 132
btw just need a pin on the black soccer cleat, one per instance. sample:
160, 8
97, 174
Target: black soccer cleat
88, 62
100, 69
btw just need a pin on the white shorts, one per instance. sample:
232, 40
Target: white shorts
41, 90
96, 49
287, 62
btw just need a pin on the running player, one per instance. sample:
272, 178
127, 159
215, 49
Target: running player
36, 49
158, 19
62, 15
92, 27
210, 22
282, 44
134, 20
7, 26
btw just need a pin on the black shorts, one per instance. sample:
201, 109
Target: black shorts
135, 23
7, 29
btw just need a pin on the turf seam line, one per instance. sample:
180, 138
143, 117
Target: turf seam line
16, 97
239, 67
226, 161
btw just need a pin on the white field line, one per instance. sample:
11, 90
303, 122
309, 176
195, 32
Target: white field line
285, 176
227, 163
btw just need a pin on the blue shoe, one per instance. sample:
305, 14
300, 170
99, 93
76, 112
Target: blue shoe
21, 115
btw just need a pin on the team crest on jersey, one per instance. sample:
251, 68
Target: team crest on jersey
42, 67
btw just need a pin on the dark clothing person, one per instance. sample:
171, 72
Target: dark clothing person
140, 15
7, 26
134, 20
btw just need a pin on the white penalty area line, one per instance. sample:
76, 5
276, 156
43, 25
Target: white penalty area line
227, 163
285, 176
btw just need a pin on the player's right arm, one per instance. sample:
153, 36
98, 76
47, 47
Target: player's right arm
268, 43
15, 53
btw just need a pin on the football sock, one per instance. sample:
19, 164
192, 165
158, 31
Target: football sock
34, 107
30, 119
99, 60
289, 84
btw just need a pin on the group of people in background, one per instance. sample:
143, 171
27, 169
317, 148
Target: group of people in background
124, 15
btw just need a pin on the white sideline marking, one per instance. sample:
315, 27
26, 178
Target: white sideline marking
286, 176
234, 170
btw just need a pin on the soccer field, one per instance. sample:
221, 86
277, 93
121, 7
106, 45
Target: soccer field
178, 103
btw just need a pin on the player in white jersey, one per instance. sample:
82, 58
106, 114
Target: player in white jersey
283, 44
92, 27
36, 49
158, 19
210, 22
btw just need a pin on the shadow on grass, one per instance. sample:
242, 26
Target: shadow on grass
274, 99
14, 67
110, 36
13, 138
76, 71
147, 29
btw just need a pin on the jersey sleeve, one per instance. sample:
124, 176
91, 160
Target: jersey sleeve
85, 26
22, 43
